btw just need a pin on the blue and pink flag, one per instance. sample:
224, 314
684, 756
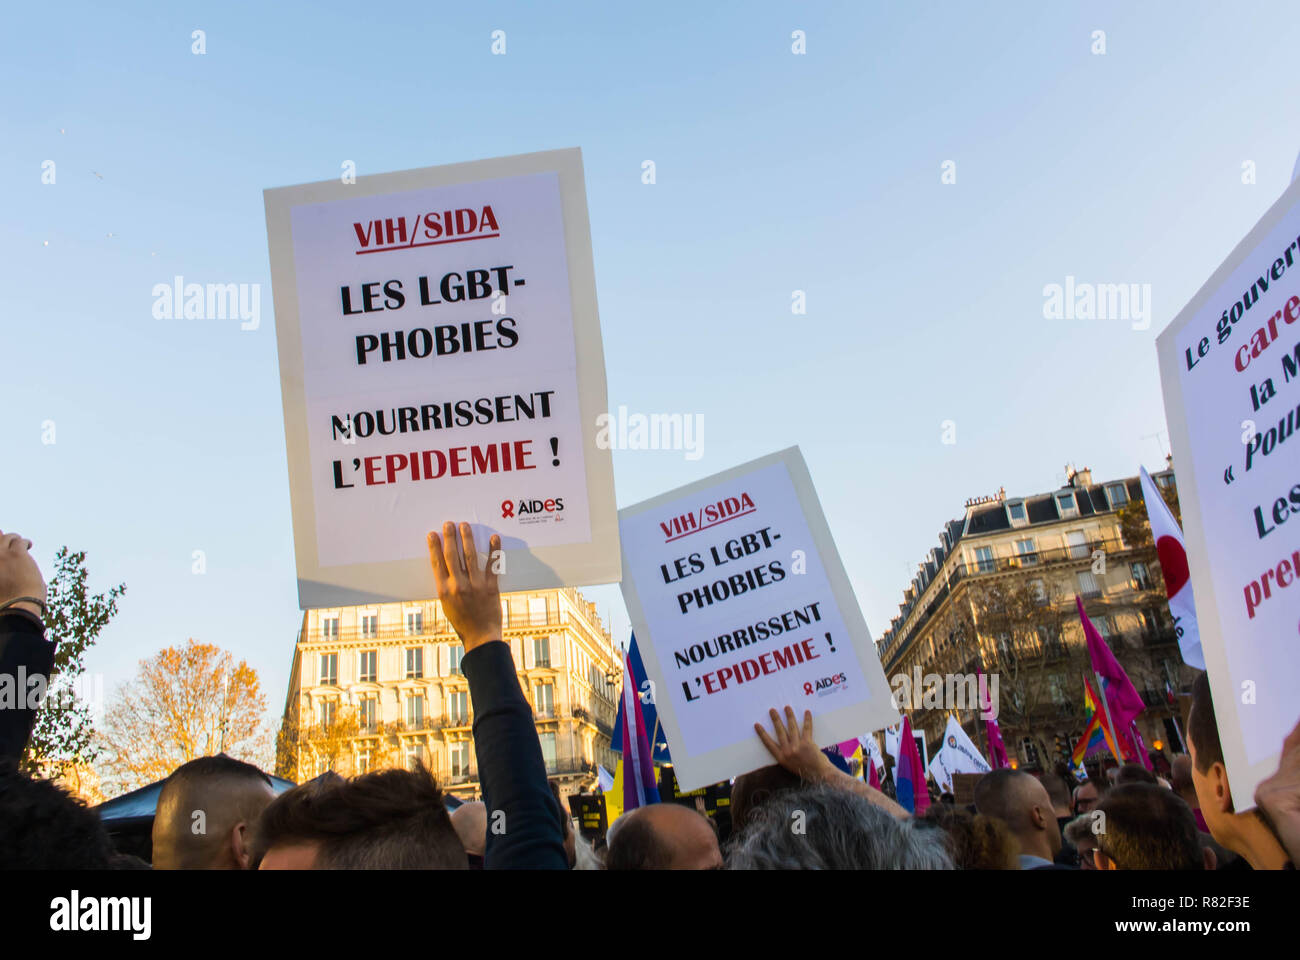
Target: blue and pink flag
1117, 688
639, 786
909, 777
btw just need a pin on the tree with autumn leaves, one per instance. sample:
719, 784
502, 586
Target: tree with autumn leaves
185, 702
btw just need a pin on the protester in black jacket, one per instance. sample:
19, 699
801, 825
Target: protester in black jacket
26, 657
525, 829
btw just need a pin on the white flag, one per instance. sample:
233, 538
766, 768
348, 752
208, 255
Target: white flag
1173, 564
957, 755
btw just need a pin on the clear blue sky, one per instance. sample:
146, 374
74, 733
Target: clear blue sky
775, 173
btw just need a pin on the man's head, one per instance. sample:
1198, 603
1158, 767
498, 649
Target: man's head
1079, 832
1086, 797
1021, 802
1058, 792
470, 823
1134, 773
1181, 776
206, 812
663, 836
386, 820
824, 827
1142, 826
752, 790
42, 827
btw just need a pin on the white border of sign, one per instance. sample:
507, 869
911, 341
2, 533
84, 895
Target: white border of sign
834, 727
576, 564
1227, 699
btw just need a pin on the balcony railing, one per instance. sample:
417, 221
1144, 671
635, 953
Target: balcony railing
430, 628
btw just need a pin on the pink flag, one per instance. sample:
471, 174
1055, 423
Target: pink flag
1125, 704
873, 776
909, 775
997, 749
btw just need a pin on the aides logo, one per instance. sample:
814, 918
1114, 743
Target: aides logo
531, 510
426, 229
826, 686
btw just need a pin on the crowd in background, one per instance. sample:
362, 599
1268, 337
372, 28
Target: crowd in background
800, 812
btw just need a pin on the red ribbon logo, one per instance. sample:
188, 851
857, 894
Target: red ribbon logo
507, 509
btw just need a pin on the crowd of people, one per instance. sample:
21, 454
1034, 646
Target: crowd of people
801, 812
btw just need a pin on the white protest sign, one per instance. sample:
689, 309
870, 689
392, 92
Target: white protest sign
871, 750
740, 603
1230, 369
440, 359
957, 754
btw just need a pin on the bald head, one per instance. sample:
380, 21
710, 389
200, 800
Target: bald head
470, 822
663, 836
1021, 802
205, 815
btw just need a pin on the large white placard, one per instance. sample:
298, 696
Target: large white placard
440, 359
740, 603
1230, 369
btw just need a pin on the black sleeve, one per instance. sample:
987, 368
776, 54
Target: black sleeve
24, 654
511, 768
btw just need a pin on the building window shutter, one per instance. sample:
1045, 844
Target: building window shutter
559, 648
444, 660
530, 659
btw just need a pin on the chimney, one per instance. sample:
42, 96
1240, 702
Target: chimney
1079, 478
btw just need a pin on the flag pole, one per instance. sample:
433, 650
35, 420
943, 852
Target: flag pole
1179, 730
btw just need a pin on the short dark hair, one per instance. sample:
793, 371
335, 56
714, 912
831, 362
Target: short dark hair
384, 820
43, 827
218, 766
1057, 789
752, 790
1202, 727
1147, 827
636, 845
994, 791
1135, 773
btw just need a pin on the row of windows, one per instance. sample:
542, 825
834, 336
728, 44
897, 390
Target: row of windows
1066, 505
368, 662
368, 665
458, 713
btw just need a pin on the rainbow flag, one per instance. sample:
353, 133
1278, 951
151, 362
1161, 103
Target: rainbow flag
1096, 732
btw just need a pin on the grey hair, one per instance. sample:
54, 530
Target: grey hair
828, 828
585, 858
1080, 828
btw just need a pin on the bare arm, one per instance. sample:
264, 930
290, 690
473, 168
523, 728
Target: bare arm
795, 749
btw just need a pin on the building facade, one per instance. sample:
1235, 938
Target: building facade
381, 686
997, 595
